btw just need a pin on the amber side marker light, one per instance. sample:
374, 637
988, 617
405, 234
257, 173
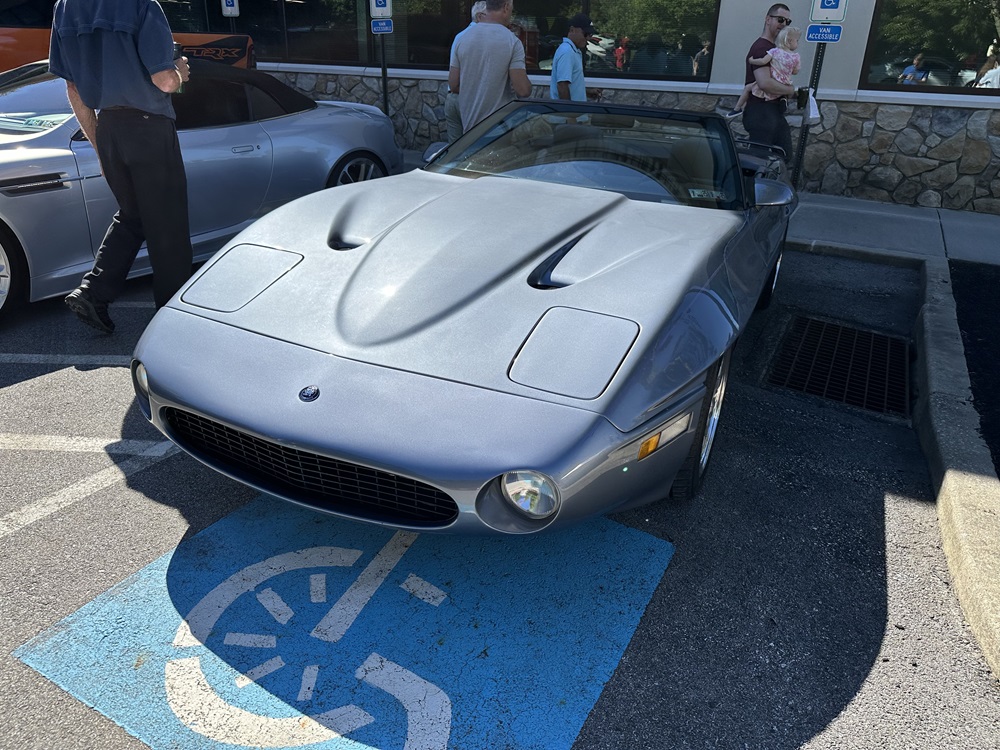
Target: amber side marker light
674, 429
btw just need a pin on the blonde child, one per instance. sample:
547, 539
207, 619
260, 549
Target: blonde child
784, 61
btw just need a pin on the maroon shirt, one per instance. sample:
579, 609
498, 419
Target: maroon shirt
759, 48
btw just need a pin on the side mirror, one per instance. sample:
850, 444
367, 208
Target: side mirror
771, 193
433, 150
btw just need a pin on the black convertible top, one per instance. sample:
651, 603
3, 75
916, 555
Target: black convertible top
289, 99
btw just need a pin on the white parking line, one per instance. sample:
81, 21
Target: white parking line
75, 360
62, 444
23, 517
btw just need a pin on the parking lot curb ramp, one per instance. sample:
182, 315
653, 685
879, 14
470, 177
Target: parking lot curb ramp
947, 423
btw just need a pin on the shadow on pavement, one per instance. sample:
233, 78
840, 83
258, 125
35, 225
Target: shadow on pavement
977, 299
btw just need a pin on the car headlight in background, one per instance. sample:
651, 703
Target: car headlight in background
142, 379
531, 493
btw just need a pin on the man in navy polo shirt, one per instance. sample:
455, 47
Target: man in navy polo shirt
117, 59
567, 65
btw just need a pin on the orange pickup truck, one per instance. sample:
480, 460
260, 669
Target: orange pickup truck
19, 46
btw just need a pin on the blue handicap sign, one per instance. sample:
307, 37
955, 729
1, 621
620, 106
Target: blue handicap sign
830, 4
230, 3
825, 33
280, 627
380, 3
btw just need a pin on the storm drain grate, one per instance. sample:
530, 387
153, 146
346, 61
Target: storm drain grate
860, 368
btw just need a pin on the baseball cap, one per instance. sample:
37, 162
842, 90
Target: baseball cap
582, 21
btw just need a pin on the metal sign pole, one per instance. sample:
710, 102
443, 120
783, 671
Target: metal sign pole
804, 130
385, 78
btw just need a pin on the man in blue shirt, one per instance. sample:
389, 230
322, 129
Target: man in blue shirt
915, 73
117, 59
567, 65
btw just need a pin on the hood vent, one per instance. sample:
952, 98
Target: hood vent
345, 243
541, 277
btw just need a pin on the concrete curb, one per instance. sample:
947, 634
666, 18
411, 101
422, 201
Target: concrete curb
947, 425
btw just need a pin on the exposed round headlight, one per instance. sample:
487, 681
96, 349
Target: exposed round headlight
141, 379
531, 493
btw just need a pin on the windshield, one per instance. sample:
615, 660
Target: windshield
32, 103
648, 155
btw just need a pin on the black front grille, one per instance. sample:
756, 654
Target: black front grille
310, 478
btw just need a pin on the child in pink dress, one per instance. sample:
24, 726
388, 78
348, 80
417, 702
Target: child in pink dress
784, 62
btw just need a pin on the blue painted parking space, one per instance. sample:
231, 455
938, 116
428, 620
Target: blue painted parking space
278, 627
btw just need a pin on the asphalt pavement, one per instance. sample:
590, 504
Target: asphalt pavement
946, 414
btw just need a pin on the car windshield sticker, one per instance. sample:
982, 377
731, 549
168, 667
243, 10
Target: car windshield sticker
281, 627
702, 194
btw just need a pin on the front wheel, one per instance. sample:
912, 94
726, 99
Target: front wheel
692, 472
13, 273
357, 167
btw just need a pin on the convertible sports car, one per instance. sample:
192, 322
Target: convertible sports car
534, 328
250, 144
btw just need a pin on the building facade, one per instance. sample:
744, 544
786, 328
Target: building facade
929, 138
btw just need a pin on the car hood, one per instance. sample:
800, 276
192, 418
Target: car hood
517, 286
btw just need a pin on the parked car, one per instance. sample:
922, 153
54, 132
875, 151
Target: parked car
940, 72
533, 329
250, 143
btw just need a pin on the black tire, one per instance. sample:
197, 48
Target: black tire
13, 272
692, 473
359, 166
767, 293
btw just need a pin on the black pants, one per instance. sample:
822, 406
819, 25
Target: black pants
142, 163
765, 123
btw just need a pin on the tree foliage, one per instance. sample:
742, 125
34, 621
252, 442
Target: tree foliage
956, 29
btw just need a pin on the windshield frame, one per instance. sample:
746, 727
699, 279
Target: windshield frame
530, 138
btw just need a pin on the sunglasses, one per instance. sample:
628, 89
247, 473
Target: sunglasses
782, 20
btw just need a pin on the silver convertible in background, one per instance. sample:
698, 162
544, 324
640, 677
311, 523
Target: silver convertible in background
533, 329
249, 142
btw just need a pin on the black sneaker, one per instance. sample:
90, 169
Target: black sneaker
733, 114
94, 314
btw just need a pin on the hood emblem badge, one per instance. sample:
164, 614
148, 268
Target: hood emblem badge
309, 393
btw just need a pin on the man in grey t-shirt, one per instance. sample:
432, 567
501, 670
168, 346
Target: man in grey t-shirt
487, 65
453, 119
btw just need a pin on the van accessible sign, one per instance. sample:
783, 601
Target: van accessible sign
826, 33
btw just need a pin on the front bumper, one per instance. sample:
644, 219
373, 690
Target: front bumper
449, 437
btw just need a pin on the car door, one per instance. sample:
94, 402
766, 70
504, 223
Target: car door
227, 158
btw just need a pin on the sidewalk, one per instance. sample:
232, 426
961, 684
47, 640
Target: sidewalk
962, 470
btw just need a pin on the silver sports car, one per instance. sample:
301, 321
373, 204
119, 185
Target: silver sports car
533, 329
250, 144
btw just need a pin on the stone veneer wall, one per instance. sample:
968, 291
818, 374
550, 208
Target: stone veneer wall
913, 155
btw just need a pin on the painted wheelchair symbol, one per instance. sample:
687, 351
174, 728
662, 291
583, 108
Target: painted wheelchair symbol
199, 707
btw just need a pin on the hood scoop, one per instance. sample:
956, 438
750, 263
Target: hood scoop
459, 248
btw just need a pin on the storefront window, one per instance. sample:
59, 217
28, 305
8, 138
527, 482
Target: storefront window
944, 46
667, 39
326, 31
